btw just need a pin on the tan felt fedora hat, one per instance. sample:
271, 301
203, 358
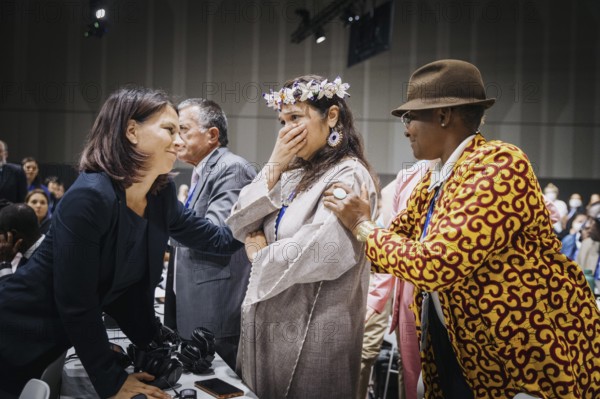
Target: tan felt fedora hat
444, 83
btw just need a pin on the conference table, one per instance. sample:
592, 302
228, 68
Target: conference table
76, 383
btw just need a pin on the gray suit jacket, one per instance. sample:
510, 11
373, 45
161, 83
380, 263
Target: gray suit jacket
210, 289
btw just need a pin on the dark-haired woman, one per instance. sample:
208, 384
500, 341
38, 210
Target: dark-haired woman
303, 314
104, 251
38, 200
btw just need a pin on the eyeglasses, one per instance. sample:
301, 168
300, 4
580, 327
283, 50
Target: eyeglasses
406, 118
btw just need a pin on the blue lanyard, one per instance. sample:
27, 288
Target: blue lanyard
190, 195
430, 212
284, 207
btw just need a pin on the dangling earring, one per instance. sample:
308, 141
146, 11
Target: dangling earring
335, 138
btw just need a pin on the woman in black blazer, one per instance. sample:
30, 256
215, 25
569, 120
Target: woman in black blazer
104, 251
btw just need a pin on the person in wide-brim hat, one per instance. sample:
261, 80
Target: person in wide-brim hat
445, 83
497, 306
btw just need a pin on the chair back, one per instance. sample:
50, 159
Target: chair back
35, 389
53, 375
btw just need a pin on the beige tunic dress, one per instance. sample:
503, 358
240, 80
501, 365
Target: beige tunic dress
303, 314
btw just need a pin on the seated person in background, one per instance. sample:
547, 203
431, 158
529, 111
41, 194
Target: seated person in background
20, 236
32, 170
575, 206
589, 252
57, 190
572, 241
551, 195
38, 200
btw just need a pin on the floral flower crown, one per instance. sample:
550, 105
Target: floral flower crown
306, 91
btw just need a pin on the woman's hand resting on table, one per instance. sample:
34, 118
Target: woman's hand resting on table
134, 385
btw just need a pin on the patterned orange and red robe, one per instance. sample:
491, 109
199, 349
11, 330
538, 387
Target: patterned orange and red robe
520, 315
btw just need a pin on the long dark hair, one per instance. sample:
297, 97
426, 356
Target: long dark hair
42, 192
327, 157
108, 149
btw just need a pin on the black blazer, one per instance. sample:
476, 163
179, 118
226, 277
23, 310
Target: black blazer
13, 183
56, 299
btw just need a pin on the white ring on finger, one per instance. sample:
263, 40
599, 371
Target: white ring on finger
339, 193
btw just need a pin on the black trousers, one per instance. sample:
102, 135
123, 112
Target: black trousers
450, 376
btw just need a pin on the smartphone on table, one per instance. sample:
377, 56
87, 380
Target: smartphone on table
218, 388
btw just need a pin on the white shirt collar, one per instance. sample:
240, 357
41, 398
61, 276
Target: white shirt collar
35, 246
440, 172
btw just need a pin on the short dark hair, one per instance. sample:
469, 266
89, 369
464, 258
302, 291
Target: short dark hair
28, 159
471, 115
108, 150
37, 180
210, 114
53, 179
20, 218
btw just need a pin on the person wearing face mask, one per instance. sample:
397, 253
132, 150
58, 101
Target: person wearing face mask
551, 194
572, 241
575, 206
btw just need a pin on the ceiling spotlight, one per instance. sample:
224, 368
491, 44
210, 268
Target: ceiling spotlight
320, 36
350, 15
100, 13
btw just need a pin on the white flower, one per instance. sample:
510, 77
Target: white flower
287, 95
314, 88
329, 90
271, 99
305, 91
340, 88
301, 91
322, 89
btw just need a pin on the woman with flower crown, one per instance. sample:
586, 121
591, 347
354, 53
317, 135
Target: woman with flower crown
303, 314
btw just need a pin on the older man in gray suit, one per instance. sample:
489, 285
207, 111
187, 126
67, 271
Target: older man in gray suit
209, 289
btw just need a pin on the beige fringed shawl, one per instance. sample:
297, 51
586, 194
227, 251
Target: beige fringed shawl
303, 314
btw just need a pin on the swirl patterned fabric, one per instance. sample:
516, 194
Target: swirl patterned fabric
520, 315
